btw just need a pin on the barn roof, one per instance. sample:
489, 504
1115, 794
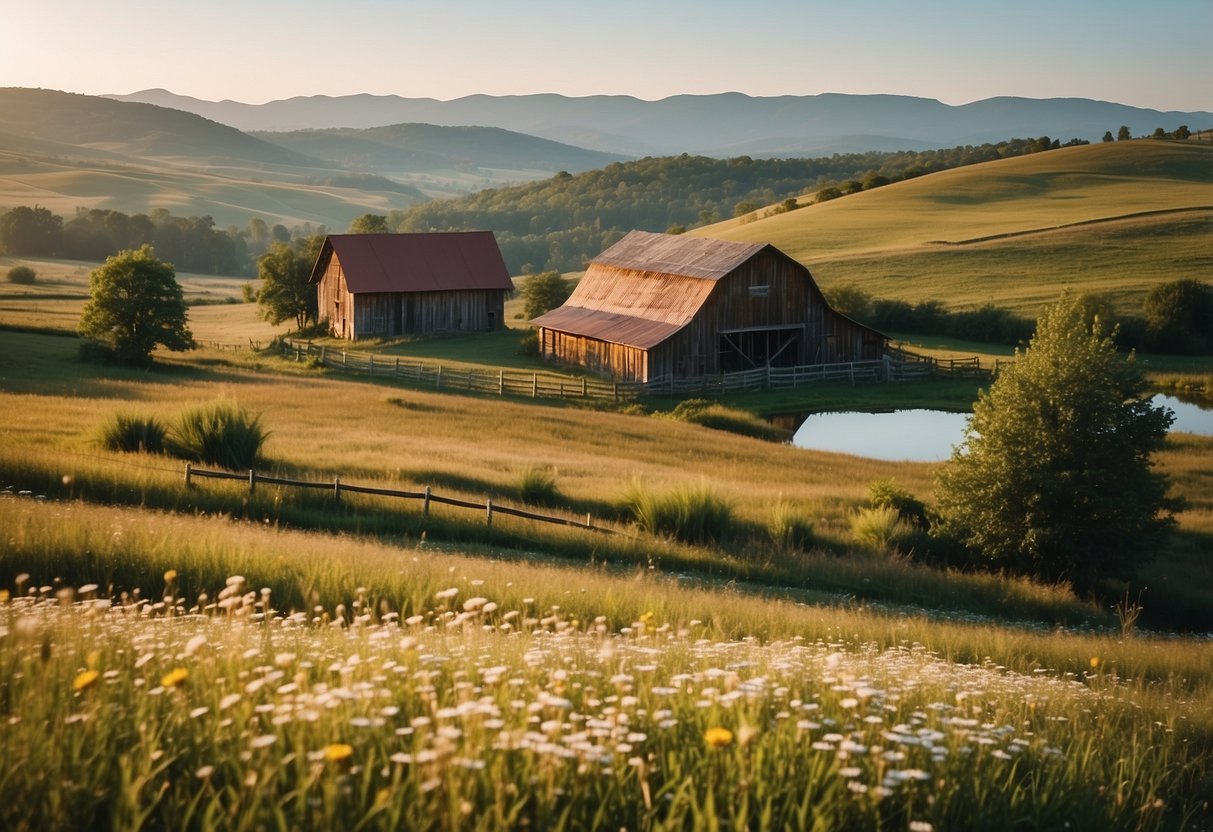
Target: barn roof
646, 287
432, 262
676, 254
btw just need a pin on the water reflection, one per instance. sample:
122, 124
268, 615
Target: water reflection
930, 435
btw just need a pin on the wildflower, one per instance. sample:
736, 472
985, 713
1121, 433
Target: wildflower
85, 680
338, 752
718, 737
1094, 662
174, 678
170, 575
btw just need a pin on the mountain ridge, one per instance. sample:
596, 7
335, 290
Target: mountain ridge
709, 124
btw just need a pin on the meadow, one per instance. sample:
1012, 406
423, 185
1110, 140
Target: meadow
213, 656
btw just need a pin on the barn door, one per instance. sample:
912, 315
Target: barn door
752, 349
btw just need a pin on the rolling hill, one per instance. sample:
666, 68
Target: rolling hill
725, 124
1111, 218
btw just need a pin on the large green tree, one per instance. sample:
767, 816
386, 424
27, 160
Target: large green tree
285, 292
544, 292
136, 304
1055, 478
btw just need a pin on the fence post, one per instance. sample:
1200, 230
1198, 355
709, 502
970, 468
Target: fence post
488, 505
534, 385
438, 378
323, 349
425, 505
336, 487
343, 359
500, 382
189, 470
252, 481
583, 387
372, 364
589, 524
397, 370
615, 390
469, 378
851, 371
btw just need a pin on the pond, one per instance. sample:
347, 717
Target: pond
929, 435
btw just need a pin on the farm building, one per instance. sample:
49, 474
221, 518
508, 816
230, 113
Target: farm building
381, 285
658, 305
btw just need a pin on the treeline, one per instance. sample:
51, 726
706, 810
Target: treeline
563, 222
1176, 318
191, 244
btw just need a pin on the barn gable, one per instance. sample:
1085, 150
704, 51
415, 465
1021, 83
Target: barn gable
654, 305
383, 285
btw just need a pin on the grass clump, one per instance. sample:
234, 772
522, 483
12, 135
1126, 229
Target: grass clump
876, 528
133, 434
536, 486
686, 513
714, 415
886, 494
789, 529
222, 434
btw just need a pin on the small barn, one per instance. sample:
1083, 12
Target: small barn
657, 305
383, 285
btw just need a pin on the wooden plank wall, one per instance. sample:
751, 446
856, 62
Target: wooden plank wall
423, 313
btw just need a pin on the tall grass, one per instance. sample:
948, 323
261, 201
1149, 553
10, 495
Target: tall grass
536, 486
129, 433
712, 414
790, 529
691, 514
877, 527
222, 434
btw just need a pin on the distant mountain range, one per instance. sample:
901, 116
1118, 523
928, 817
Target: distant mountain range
726, 124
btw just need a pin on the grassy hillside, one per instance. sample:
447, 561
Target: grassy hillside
1108, 217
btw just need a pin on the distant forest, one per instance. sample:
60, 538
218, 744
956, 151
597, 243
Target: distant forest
191, 244
563, 222
559, 223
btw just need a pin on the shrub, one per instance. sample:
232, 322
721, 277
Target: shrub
131, 434
692, 515
222, 434
536, 486
790, 529
528, 345
886, 494
876, 528
22, 274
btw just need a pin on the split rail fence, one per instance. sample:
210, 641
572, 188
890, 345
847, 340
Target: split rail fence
426, 496
901, 365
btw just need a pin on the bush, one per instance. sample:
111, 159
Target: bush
528, 344
222, 434
692, 515
789, 529
22, 274
536, 486
133, 434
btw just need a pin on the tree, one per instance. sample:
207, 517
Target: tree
1123, 135
1182, 132
1179, 316
1055, 478
31, 232
1107, 136
285, 292
135, 305
544, 292
370, 224
22, 274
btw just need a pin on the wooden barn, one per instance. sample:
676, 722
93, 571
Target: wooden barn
382, 285
656, 305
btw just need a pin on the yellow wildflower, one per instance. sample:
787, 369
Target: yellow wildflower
170, 576
1094, 662
718, 737
85, 680
175, 677
338, 752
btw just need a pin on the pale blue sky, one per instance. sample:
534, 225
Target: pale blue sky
1149, 53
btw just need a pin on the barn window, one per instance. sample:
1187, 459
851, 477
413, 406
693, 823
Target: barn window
762, 291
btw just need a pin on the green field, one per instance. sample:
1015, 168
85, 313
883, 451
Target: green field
216, 656
1112, 218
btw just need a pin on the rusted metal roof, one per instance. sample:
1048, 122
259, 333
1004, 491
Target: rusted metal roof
608, 326
678, 254
433, 262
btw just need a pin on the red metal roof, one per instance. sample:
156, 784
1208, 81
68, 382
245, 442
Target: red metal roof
608, 326
432, 262
700, 257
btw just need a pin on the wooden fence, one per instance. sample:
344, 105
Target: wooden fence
900, 366
426, 496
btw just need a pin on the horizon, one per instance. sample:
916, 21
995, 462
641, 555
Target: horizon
1121, 52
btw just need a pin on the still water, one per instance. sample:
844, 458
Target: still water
930, 435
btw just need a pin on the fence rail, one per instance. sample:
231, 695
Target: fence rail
901, 365
427, 496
